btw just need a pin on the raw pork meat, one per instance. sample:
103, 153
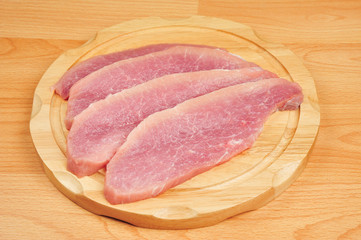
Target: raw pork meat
84, 68
128, 73
100, 129
173, 145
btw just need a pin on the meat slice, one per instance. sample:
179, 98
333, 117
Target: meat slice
84, 68
103, 127
173, 145
128, 73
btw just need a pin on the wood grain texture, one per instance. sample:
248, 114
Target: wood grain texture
294, 21
324, 202
81, 19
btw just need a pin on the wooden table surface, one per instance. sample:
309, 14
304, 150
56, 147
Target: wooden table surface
323, 203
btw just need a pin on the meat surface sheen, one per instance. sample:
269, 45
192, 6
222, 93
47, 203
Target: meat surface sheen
173, 145
84, 68
103, 127
128, 73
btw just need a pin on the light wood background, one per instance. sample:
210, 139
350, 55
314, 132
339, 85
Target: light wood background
323, 203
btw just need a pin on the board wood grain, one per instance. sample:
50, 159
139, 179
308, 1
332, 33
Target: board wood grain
247, 182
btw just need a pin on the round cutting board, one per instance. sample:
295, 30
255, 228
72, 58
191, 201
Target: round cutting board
246, 182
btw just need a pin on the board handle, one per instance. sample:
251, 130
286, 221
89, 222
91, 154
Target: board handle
175, 212
69, 182
37, 104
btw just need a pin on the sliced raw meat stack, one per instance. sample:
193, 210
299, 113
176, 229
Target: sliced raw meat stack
82, 69
173, 145
128, 73
103, 127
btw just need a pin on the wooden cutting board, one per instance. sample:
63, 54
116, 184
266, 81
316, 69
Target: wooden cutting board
246, 182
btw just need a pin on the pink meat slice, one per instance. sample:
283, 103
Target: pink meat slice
84, 68
173, 145
103, 127
128, 73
